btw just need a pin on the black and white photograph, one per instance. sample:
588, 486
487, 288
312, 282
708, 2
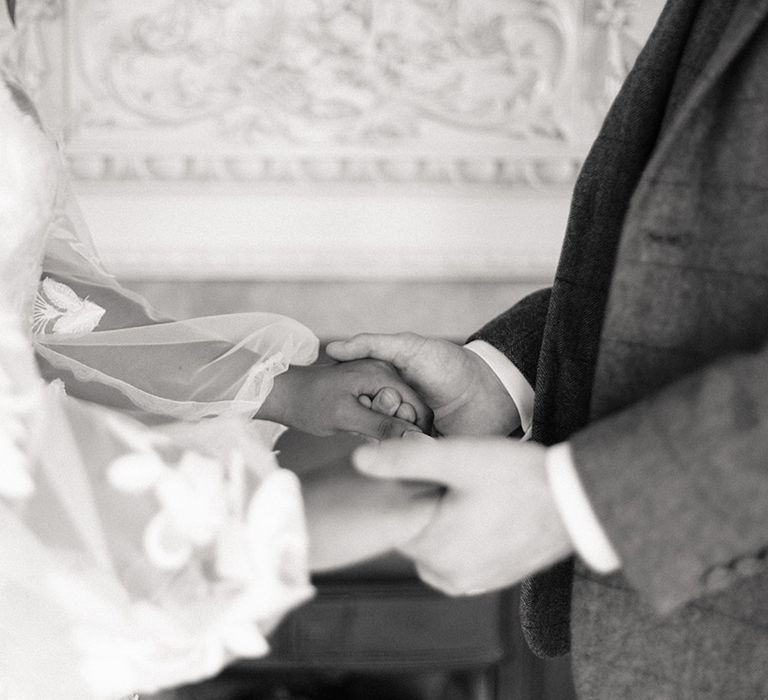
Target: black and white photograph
384, 350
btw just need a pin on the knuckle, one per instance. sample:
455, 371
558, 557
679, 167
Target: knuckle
416, 339
412, 344
367, 342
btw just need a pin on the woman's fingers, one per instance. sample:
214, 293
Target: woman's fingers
388, 402
406, 412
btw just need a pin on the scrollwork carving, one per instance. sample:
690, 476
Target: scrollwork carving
23, 50
505, 172
613, 50
328, 72
505, 92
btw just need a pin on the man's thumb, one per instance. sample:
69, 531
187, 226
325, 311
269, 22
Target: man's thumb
367, 345
343, 350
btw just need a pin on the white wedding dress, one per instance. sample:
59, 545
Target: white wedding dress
147, 535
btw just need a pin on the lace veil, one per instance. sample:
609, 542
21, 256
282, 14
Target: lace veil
111, 346
134, 555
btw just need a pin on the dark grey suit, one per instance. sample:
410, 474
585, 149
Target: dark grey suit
649, 354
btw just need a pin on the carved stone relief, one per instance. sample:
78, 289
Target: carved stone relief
506, 92
24, 51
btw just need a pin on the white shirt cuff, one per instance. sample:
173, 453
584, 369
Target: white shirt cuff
587, 535
517, 386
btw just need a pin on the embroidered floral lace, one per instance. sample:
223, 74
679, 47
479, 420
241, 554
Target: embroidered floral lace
132, 558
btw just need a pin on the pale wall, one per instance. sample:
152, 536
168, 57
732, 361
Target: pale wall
398, 164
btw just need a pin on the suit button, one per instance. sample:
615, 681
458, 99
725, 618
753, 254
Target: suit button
749, 566
718, 579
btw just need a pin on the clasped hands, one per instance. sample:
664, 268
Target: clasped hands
494, 521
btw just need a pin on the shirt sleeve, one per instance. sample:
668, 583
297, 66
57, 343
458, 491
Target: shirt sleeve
512, 379
587, 535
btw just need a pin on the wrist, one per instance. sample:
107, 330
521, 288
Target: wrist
501, 414
576, 513
279, 406
554, 542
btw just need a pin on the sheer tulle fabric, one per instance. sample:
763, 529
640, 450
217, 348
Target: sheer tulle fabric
121, 352
132, 558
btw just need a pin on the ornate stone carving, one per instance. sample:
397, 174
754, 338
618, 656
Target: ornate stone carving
613, 50
327, 72
426, 90
24, 51
497, 171
506, 92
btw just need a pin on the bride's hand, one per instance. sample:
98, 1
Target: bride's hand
351, 518
365, 396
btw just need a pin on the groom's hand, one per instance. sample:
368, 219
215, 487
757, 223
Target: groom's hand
465, 395
367, 397
497, 522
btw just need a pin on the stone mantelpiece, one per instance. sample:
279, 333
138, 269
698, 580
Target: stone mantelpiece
331, 139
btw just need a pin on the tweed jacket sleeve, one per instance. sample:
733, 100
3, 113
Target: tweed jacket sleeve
679, 480
518, 332
675, 459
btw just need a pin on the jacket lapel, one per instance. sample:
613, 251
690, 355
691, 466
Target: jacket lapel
746, 19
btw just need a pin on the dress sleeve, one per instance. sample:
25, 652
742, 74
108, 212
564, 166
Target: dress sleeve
110, 346
132, 558
138, 558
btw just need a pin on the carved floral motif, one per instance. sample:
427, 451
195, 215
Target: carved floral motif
491, 91
328, 71
23, 50
615, 50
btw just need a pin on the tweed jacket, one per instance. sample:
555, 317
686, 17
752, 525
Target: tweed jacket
649, 355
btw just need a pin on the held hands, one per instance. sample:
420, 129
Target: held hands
352, 518
389, 384
495, 521
495, 524
465, 395
366, 397
473, 515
